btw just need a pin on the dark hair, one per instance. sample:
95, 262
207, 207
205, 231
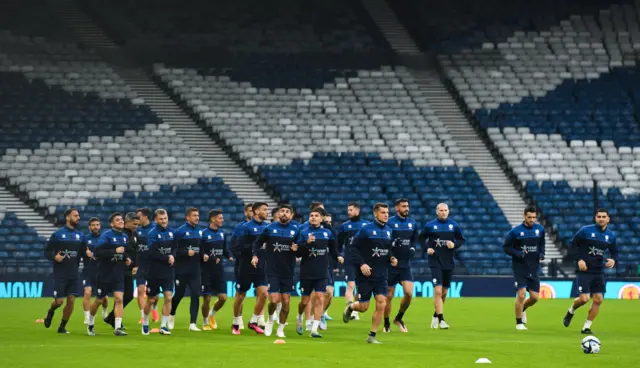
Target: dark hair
258, 205
287, 206
160, 211
315, 204
69, 211
146, 212
92, 220
319, 210
600, 210
131, 216
113, 216
248, 205
379, 205
274, 211
354, 204
214, 213
190, 210
400, 200
530, 209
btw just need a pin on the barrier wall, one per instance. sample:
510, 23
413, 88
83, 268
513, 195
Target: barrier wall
36, 286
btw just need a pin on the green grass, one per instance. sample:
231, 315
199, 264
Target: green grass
480, 328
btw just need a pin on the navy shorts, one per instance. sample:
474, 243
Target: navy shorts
330, 280
367, 288
398, 275
157, 286
350, 273
106, 288
89, 281
64, 287
246, 280
526, 280
309, 286
441, 277
591, 283
213, 282
141, 276
280, 285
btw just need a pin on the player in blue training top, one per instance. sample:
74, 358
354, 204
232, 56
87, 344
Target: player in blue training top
248, 275
214, 250
235, 252
317, 247
346, 233
65, 248
589, 245
279, 240
188, 242
90, 270
405, 237
371, 251
112, 257
525, 244
442, 236
161, 273
142, 260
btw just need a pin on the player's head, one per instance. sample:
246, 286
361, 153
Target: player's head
192, 215
316, 204
116, 222
145, 216
94, 225
285, 213
131, 221
260, 211
402, 207
328, 219
72, 218
602, 217
442, 210
353, 210
248, 211
381, 212
530, 215
275, 214
315, 216
216, 219
161, 217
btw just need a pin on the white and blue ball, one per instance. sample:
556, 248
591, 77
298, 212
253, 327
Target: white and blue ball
590, 345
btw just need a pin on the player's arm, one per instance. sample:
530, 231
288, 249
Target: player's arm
423, 240
154, 252
226, 253
509, 248
260, 240
303, 246
342, 238
415, 235
541, 246
576, 244
181, 251
50, 251
82, 248
333, 250
459, 237
613, 254
102, 249
356, 244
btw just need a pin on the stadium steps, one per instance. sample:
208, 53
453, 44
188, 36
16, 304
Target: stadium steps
395, 34
81, 25
495, 179
10, 203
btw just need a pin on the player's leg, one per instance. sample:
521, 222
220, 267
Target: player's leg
533, 286
195, 286
387, 308
318, 311
180, 289
222, 300
407, 287
146, 310
141, 289
305, 300
285, 299
261, 298
59, 286
376, 319
307, 312
241, 293
328, 296
596, 301
365, 290
349, 295
274, 299
86, 300
521, 295
118, 309
204, 310
93, 309
584, 290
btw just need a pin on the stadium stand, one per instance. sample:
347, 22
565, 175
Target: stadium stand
558, 103
20, 247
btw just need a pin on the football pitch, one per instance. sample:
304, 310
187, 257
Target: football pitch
480, 328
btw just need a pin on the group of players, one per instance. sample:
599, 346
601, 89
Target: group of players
376, 257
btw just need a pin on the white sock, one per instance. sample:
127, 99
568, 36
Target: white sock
118, 323
205, 321
571, 310
92, 320
145, 319
142, 313
104, 308
237, 320
212, 312
271, 318
299, 318
254, 318
314, 326
587, 324
281, 328
87, 315
279, 308
165, 321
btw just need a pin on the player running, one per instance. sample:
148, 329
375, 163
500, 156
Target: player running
188, 240
249, 275
589, 244
371, 250
65, 248
443, 236
161, 275
278, 239
214, 250
89, 270
345, 235
142, 261
236, 252
525, 244
405, 237
112, 258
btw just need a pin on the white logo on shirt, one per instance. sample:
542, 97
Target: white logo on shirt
537, 232
325, 235
187, 234
200, 232
349, 226
435, 227
209, 237
170, 234
388, 234
77, 236
410, 226
374, 232
292, 232
606, 237
396, 225
275, 231
450, 227
593, 235
64, 236
521, 234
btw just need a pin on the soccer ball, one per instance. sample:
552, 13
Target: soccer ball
590, 345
